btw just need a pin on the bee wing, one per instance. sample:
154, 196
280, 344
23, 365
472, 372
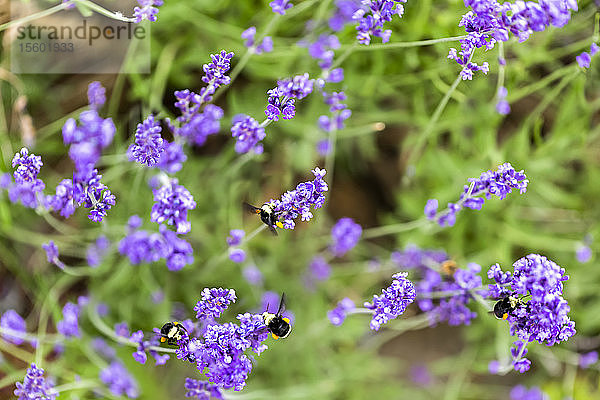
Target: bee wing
281, 308
251, 209
273, 230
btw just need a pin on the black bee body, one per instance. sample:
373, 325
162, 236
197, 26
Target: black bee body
267, 215
505, 306
276, 324
172, 332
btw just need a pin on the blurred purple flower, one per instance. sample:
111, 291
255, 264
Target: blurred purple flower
235, 237
338, 314
248, 133
520, 392
583, 253
345, 234
96, 95
13, 321
237, 255
96, 251
252, 275
202, 390
280, 6
119, 381
588, 359
69, 325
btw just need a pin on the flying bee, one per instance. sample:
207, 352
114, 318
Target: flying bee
505, 306
267, 215
448, 267
172, 332
276, 324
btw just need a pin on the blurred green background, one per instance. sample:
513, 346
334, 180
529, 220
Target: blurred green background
376, 177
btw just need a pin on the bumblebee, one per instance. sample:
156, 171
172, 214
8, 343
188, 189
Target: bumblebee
172, 332
449, 267
276, 324
267, 216
505, 306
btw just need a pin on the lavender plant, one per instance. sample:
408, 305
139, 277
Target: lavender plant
391, 128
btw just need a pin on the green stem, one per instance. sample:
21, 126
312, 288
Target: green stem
85, 384
423, 137
400, 45
105, 329
101, 10
393, 229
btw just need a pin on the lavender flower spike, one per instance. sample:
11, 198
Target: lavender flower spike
35, 386
345, 234
298, 202
11, 320
147, 10
149, 145
542, 312
214, 302
172, 204
280, 6
393, 301
28, 167
497, 183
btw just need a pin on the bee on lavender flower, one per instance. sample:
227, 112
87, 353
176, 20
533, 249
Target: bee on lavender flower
276, 324
172, 332
267, 215
506, 305
448, 268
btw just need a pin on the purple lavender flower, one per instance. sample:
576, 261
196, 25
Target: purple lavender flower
122, 330
235, 237
544, 317
297, 87
319, 269
502, 106
172, 202
431, 208
29, 166
490, 22
494, 367
195, 127
180, 251
237, 255
96, 251
148, 145
392, 302
498, 183
95, 195
345, 234
96, 95
252, 275
583, 253
584, 59
588, 359
69, 325
343, 14
103, 349
215, 71
322, 49
420, 375
266, 46
11, 320
338, 314
147, 10
87, 140
280, 6
35, 386
248, 133
324, 147
298, 202
52, 254
520, 392
371, 21
172, 158
202, 390
214, 302
119, 381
